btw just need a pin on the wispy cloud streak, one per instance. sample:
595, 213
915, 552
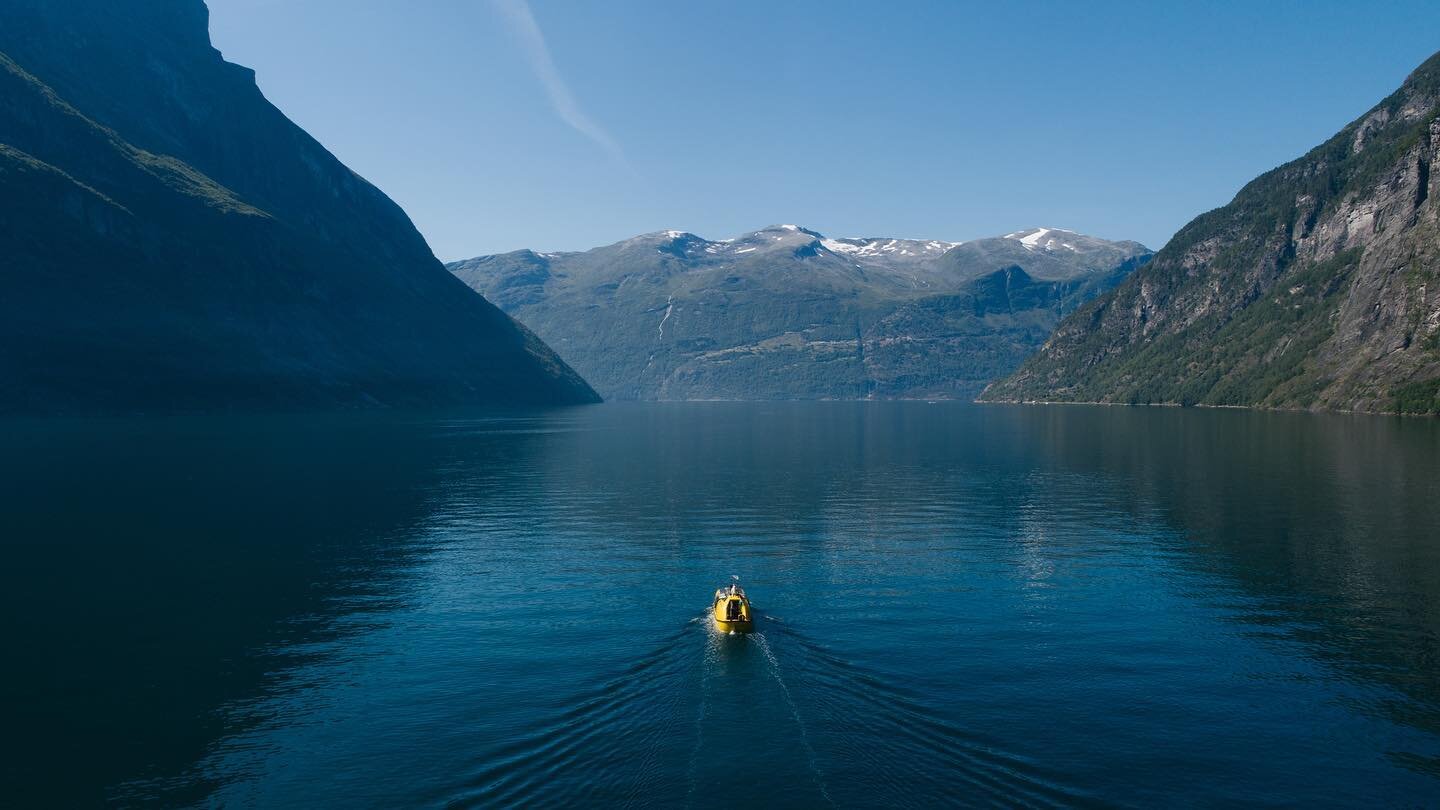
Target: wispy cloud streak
516, 14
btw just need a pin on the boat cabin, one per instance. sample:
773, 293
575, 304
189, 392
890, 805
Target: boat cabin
732, 608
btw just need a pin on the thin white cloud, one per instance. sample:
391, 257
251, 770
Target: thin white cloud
516, 14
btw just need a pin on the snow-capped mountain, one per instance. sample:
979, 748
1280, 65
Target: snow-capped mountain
1056, 253
787, 312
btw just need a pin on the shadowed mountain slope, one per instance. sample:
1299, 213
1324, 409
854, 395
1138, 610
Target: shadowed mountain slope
171, 241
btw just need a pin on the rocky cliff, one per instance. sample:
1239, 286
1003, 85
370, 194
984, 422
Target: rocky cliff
169, 240
787, 313
1317, 287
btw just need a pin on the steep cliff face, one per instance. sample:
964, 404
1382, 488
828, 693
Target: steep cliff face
787, 313
1317, 287
169, 240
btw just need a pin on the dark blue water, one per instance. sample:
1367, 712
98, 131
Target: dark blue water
958, 605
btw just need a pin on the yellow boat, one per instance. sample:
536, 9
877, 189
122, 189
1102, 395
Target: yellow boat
732, 610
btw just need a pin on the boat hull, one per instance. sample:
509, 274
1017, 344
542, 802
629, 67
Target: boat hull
734, 627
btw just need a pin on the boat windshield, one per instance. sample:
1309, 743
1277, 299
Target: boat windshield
728, 591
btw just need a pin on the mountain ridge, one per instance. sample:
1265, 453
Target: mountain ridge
786, 312
1315, 288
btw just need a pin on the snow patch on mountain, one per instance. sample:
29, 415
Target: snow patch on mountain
899, 247
1041, 239
1034, 239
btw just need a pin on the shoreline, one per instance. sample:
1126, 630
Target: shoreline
1207, 406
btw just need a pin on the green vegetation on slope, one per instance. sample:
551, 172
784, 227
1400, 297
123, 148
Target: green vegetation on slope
1262, 355
1419, 397
1318, 286
786, 313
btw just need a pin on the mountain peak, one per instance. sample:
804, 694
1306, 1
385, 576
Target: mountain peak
793, 229
666, 236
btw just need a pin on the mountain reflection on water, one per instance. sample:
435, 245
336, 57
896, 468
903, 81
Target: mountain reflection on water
988, 605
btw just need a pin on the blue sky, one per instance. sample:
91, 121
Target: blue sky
562, 125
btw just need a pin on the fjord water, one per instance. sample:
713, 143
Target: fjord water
958, 605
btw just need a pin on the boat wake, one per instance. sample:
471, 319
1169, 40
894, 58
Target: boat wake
795, 713
683, 720
906, 748
605, 748
712, 652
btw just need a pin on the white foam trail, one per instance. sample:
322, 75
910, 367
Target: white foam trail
707, 661
795, 712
